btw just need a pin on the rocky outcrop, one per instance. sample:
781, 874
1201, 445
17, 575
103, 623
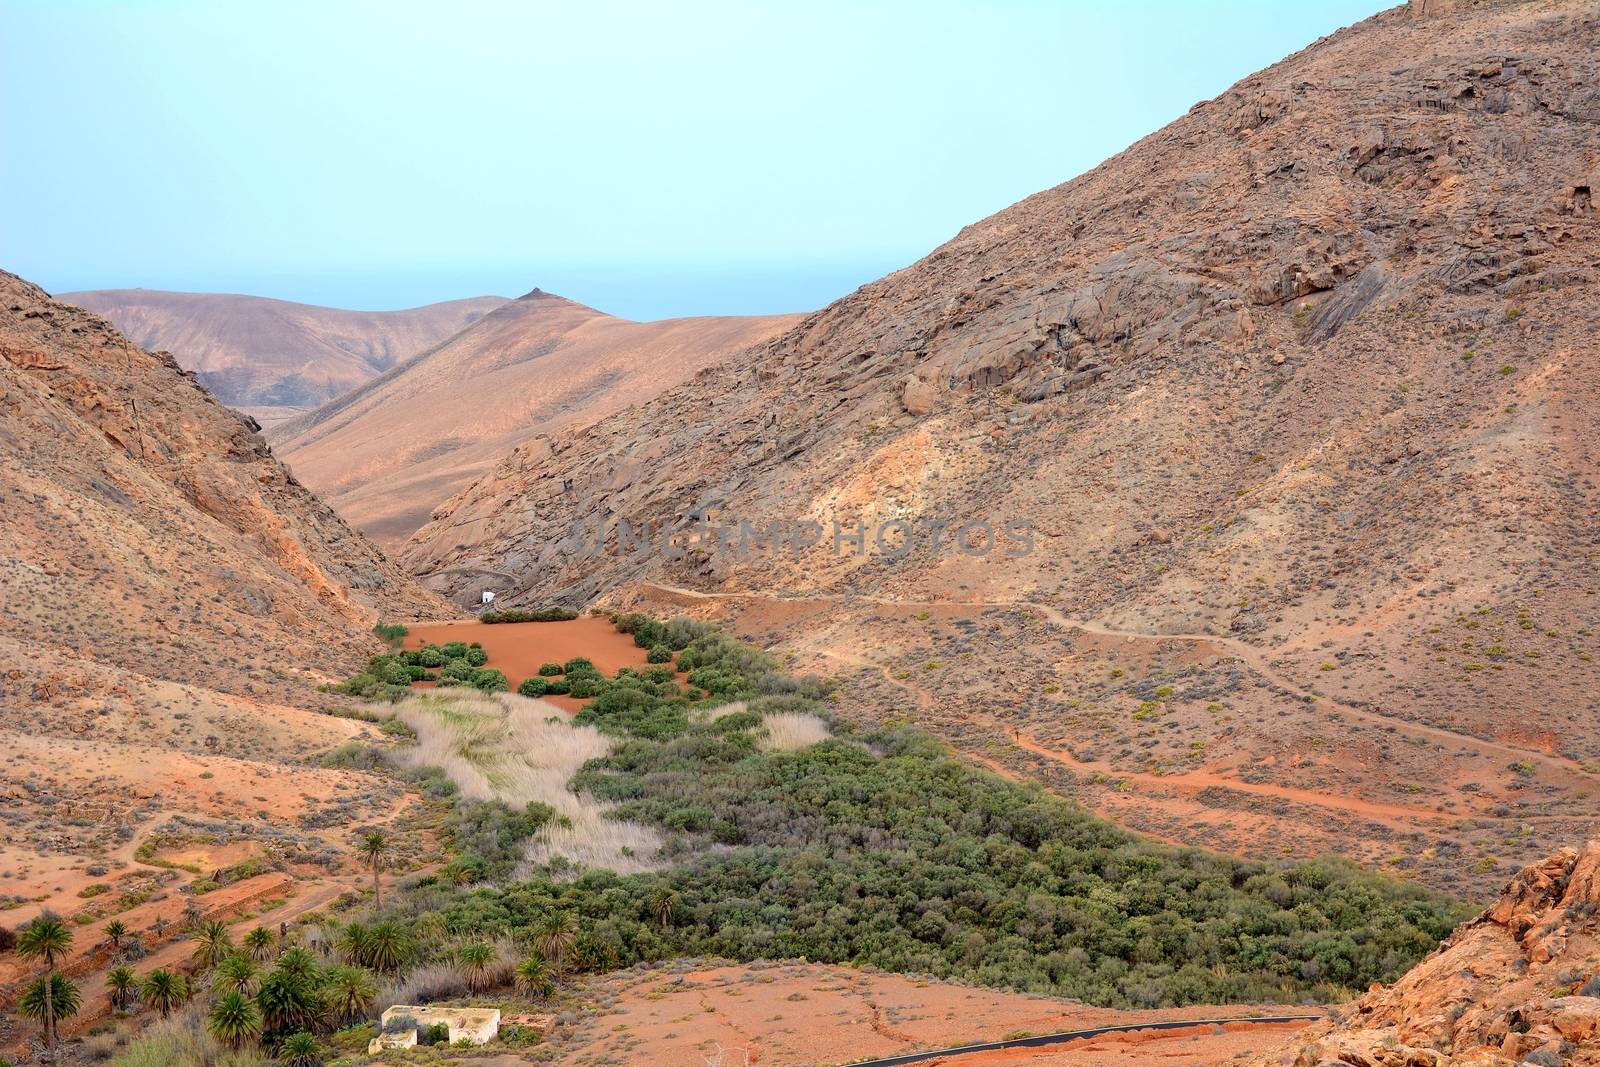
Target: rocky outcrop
1518, 984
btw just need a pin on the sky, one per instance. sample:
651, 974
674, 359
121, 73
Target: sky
650, 159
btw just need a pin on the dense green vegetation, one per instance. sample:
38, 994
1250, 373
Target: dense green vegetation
551, 614
388, 675
878, 847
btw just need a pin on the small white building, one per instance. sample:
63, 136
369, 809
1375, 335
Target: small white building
477, 1025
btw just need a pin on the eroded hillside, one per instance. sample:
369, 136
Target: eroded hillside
170, 599
1296, 397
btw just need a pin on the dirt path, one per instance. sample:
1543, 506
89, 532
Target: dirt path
1398, 816
1254, 658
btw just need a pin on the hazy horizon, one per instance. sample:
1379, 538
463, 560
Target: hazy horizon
651, 163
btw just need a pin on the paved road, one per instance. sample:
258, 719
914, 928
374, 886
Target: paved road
1074, 1035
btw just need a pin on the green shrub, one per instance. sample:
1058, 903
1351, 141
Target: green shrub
487, 837
431, 656
625, 710
550, 670
556, 687
477, 657
489, 680
533, 687
585, 684
392, 632
658, 654
432, 782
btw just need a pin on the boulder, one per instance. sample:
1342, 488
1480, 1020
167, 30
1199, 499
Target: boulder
918, 395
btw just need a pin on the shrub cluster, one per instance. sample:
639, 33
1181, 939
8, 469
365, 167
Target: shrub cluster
550, 614
486, 837
389, 675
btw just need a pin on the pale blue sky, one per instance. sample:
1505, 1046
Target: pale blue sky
649, 158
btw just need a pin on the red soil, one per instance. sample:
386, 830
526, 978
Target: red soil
518, 648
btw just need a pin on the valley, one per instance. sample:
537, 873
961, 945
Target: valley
1256, 725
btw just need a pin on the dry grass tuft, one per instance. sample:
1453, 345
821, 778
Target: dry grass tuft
789, 730
518, 749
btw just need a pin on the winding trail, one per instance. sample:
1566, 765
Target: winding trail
1254, 658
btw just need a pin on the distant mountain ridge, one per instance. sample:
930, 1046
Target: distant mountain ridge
273, 358
389, 452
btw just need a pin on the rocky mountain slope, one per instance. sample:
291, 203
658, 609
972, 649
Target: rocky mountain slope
273, 359
1294, 402
170, 601
147, 530
386, 455
1518, 984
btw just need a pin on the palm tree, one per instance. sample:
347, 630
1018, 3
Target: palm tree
212, 943
375, 847
663, 906
164, 991
49, 998
259, 943
234, 1020
353, 944
475, 961
533, 977
288, 1000
116, 930
298, 962
237, 973
299, 1050
386, 947
555, 934
47, 940
350, 992
124, 986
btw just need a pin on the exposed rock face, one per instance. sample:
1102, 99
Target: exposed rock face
145, 528
1311, 369
273, 359
1518, 984
391, 452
